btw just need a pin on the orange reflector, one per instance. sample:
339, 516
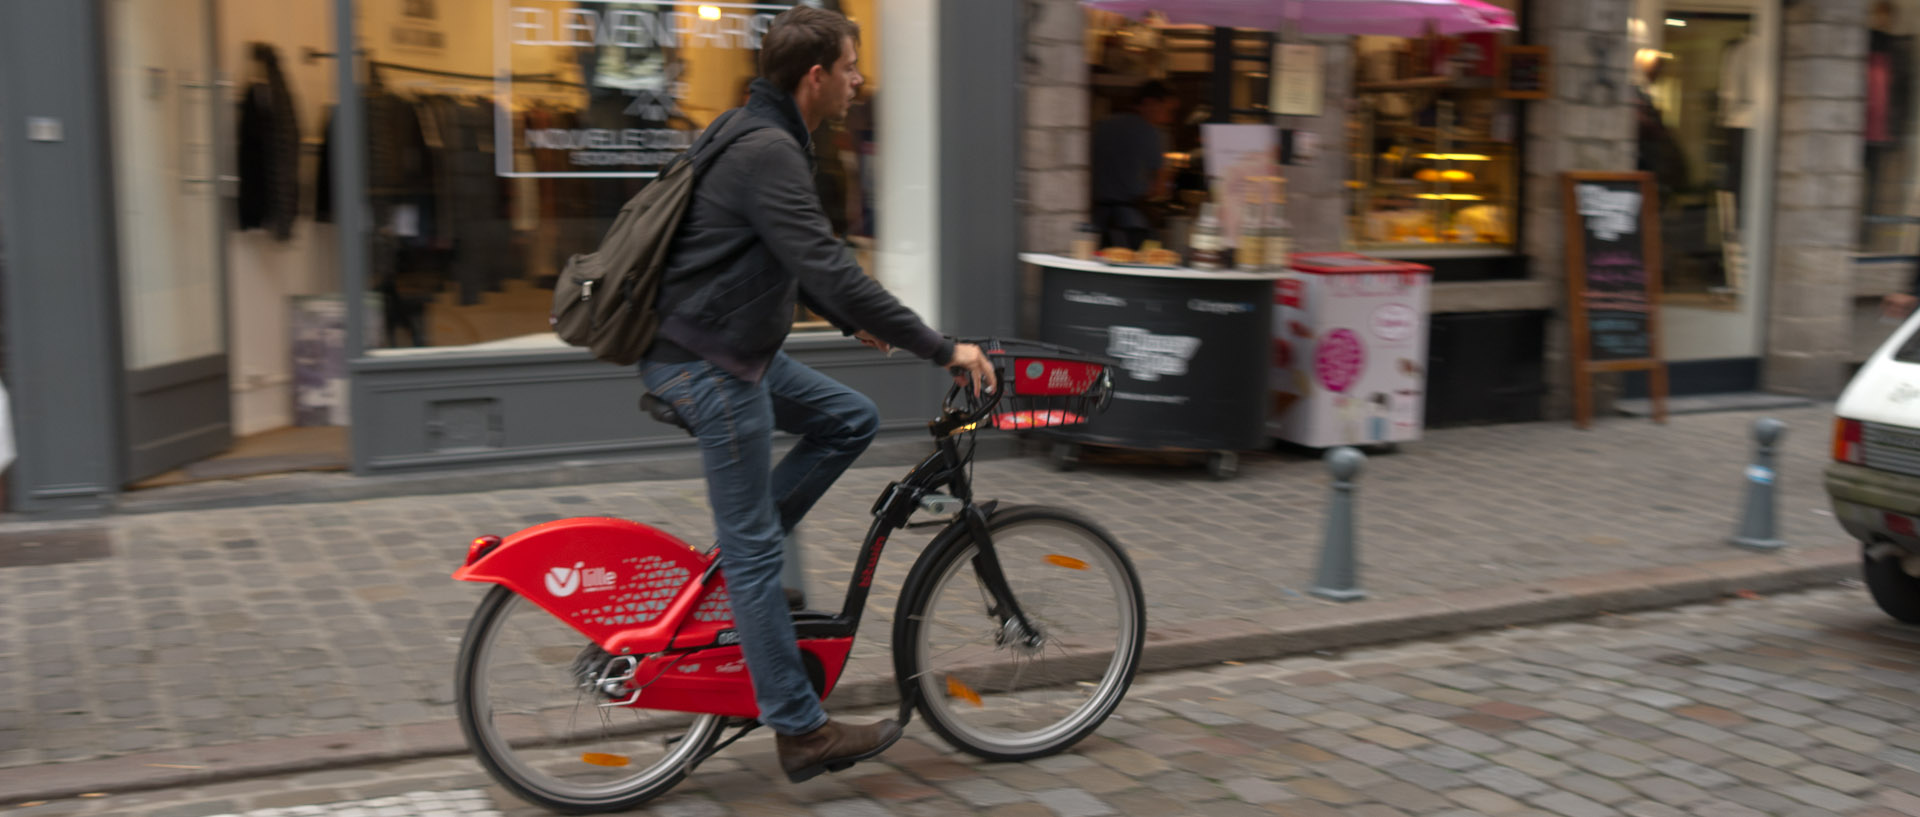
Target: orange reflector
957, 688
1067, 562
599, 759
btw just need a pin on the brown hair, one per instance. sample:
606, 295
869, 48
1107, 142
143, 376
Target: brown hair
801, 38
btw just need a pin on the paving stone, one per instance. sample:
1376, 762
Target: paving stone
1072, 803
1485, 801
1572, 805
1594, 787
1669, 791
1835, 779
1258, 791
1531, 763
1510, 782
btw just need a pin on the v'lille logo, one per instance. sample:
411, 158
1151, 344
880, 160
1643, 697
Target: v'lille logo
562, 581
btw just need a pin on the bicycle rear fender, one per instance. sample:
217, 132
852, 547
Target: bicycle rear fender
617, 582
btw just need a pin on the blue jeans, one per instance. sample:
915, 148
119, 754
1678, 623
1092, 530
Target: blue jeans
756, 503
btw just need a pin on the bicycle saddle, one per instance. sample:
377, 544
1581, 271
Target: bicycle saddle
663, 411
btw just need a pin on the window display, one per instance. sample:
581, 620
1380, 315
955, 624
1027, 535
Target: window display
1891, 206
504, 138
1697, 98
1434, 159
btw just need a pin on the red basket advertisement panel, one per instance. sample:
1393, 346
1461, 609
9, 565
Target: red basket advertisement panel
1052, 377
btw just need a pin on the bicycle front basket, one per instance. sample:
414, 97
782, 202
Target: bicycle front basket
1048, 386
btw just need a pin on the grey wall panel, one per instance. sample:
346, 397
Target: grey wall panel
981, 48
56, 232
453, 410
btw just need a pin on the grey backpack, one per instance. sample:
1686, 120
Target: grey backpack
605, 300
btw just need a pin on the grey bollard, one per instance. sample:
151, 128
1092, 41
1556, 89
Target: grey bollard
1339, 578
1757, 517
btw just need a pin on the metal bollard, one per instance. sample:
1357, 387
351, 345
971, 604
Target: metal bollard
1756, 530
1339, 578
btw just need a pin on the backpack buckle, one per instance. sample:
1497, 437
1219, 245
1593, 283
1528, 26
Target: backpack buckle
586, 290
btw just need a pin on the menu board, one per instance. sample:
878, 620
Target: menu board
1613, 279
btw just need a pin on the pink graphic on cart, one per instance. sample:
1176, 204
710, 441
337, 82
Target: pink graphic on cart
1339, 360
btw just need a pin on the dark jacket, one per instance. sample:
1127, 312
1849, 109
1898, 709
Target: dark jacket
269, 151
754, 242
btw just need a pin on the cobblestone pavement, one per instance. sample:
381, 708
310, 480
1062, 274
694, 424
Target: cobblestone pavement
219, 627
1802, 704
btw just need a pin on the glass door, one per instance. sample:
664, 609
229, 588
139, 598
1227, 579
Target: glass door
167, 108
1705, 87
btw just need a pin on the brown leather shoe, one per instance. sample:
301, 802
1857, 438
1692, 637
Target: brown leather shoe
833, 747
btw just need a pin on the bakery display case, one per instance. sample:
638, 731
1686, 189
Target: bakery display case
1434, 165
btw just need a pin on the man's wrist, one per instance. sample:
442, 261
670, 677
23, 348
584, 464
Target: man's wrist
943, 356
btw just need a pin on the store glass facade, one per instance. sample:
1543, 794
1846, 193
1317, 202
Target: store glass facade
1432, 143
1435, 155
502, 138
1890, 229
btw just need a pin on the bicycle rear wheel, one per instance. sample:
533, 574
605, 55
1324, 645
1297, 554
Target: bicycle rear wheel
995, 690
528, 693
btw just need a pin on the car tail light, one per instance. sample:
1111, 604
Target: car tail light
1846, 441
481, 547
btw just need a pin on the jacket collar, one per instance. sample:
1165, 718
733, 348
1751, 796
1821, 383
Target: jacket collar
779, 107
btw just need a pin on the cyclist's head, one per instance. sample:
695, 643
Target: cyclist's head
804, 38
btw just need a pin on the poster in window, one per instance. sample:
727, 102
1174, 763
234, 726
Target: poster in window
1299, 81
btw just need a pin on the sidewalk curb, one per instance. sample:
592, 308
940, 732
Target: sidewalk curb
1169, 647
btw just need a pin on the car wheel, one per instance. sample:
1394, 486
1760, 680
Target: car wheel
1897, 593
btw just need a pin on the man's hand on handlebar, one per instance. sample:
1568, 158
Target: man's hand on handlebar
970, 364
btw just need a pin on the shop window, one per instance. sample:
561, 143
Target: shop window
1434, 163
1214, 75
1890, 229
1697, 98
1434, 143
505, 136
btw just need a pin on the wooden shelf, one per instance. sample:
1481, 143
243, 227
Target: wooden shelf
1428, 84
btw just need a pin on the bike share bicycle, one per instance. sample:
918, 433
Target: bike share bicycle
603, 666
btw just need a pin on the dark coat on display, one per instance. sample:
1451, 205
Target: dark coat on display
269, 150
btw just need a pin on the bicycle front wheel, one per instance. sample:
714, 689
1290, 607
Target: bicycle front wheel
1003, 691
529, 692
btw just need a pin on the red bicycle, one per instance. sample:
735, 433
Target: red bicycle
603, 666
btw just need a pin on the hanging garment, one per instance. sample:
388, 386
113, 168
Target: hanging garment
269, 142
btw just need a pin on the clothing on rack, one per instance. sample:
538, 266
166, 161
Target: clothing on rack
269, 143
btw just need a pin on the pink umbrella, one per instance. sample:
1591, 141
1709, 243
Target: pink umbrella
1398, 18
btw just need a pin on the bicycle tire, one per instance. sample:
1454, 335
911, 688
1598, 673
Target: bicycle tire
499, 754
920, 613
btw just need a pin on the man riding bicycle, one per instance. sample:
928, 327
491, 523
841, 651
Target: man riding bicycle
754, 241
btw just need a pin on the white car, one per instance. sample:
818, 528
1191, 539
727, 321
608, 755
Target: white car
1874, 480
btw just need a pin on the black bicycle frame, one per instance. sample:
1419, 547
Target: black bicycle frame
945, 467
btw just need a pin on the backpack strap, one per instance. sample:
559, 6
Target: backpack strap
724, 131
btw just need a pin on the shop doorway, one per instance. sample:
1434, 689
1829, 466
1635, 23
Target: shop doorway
167, 111
1705, 87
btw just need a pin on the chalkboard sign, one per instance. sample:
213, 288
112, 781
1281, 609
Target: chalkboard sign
1613, 281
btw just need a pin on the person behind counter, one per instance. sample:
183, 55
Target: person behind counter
1129, 165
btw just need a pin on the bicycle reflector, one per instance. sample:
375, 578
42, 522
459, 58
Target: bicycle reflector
481, 547
1067, 562
957, 688
600, 759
